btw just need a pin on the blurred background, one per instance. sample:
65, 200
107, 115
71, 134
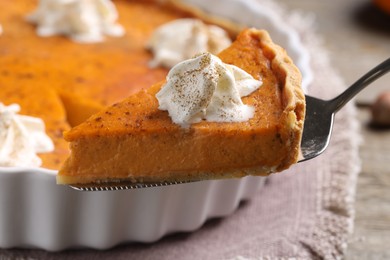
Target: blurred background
357, 35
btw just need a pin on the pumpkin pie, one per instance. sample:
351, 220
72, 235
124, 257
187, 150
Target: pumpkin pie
135, 141
64, 82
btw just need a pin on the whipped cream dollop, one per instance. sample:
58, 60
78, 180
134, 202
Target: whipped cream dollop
182, 39
21, 138
206, 88
84, 21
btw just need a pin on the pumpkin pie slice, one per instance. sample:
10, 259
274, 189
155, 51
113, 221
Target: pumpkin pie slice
135, 141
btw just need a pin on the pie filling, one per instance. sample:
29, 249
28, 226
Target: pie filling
80, 88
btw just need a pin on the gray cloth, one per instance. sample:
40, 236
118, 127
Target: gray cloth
304, 212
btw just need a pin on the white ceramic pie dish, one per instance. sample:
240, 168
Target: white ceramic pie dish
37, 213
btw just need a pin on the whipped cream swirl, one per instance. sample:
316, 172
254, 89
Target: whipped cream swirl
21, 138
181, 39
84, 21
205, 88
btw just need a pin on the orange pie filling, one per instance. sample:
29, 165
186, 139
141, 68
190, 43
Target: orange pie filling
133, 139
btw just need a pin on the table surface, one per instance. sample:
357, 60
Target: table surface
357, 36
